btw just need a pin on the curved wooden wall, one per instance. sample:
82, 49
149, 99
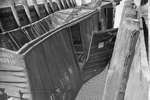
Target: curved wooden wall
50, 65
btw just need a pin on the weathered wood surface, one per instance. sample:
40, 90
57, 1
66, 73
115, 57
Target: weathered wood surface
45, 69
87, 28
52, 68
13, 75
100, 53
123, 54
139, 76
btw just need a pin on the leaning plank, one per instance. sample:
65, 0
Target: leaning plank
139, 77
123, 54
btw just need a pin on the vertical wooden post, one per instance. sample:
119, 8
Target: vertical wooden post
15, 14
26, 7
36, 8
46, 6
51, 5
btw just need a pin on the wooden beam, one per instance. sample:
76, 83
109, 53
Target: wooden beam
71, 2
15, 14
62, 2
26, 8
46, 6
74, 2
36, 8
67, 1
51, 5
58, 3
123, 54
137, 87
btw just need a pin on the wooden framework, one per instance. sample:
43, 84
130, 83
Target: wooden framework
50, 37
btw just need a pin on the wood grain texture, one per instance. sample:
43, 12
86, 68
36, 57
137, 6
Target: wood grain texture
13, 75
116, 78
139, 77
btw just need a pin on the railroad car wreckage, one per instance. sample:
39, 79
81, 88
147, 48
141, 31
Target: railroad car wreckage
49, 50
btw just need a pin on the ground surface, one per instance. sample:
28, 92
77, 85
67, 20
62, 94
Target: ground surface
93, 89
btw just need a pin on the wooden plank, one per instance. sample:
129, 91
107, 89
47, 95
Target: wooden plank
26, 7
120, 65
36, 8
46, 6
58, 4
139, 76
13, 75
51, 5
67, 1
15, 14
62, 2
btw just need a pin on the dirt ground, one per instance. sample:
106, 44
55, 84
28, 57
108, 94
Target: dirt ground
93, 89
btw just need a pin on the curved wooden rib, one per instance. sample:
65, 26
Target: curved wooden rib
46, 6
26, 7
67, 1
58, 4
51, 5
36, 8
15, 14
62, 2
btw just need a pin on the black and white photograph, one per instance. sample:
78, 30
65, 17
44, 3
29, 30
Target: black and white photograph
74, 49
